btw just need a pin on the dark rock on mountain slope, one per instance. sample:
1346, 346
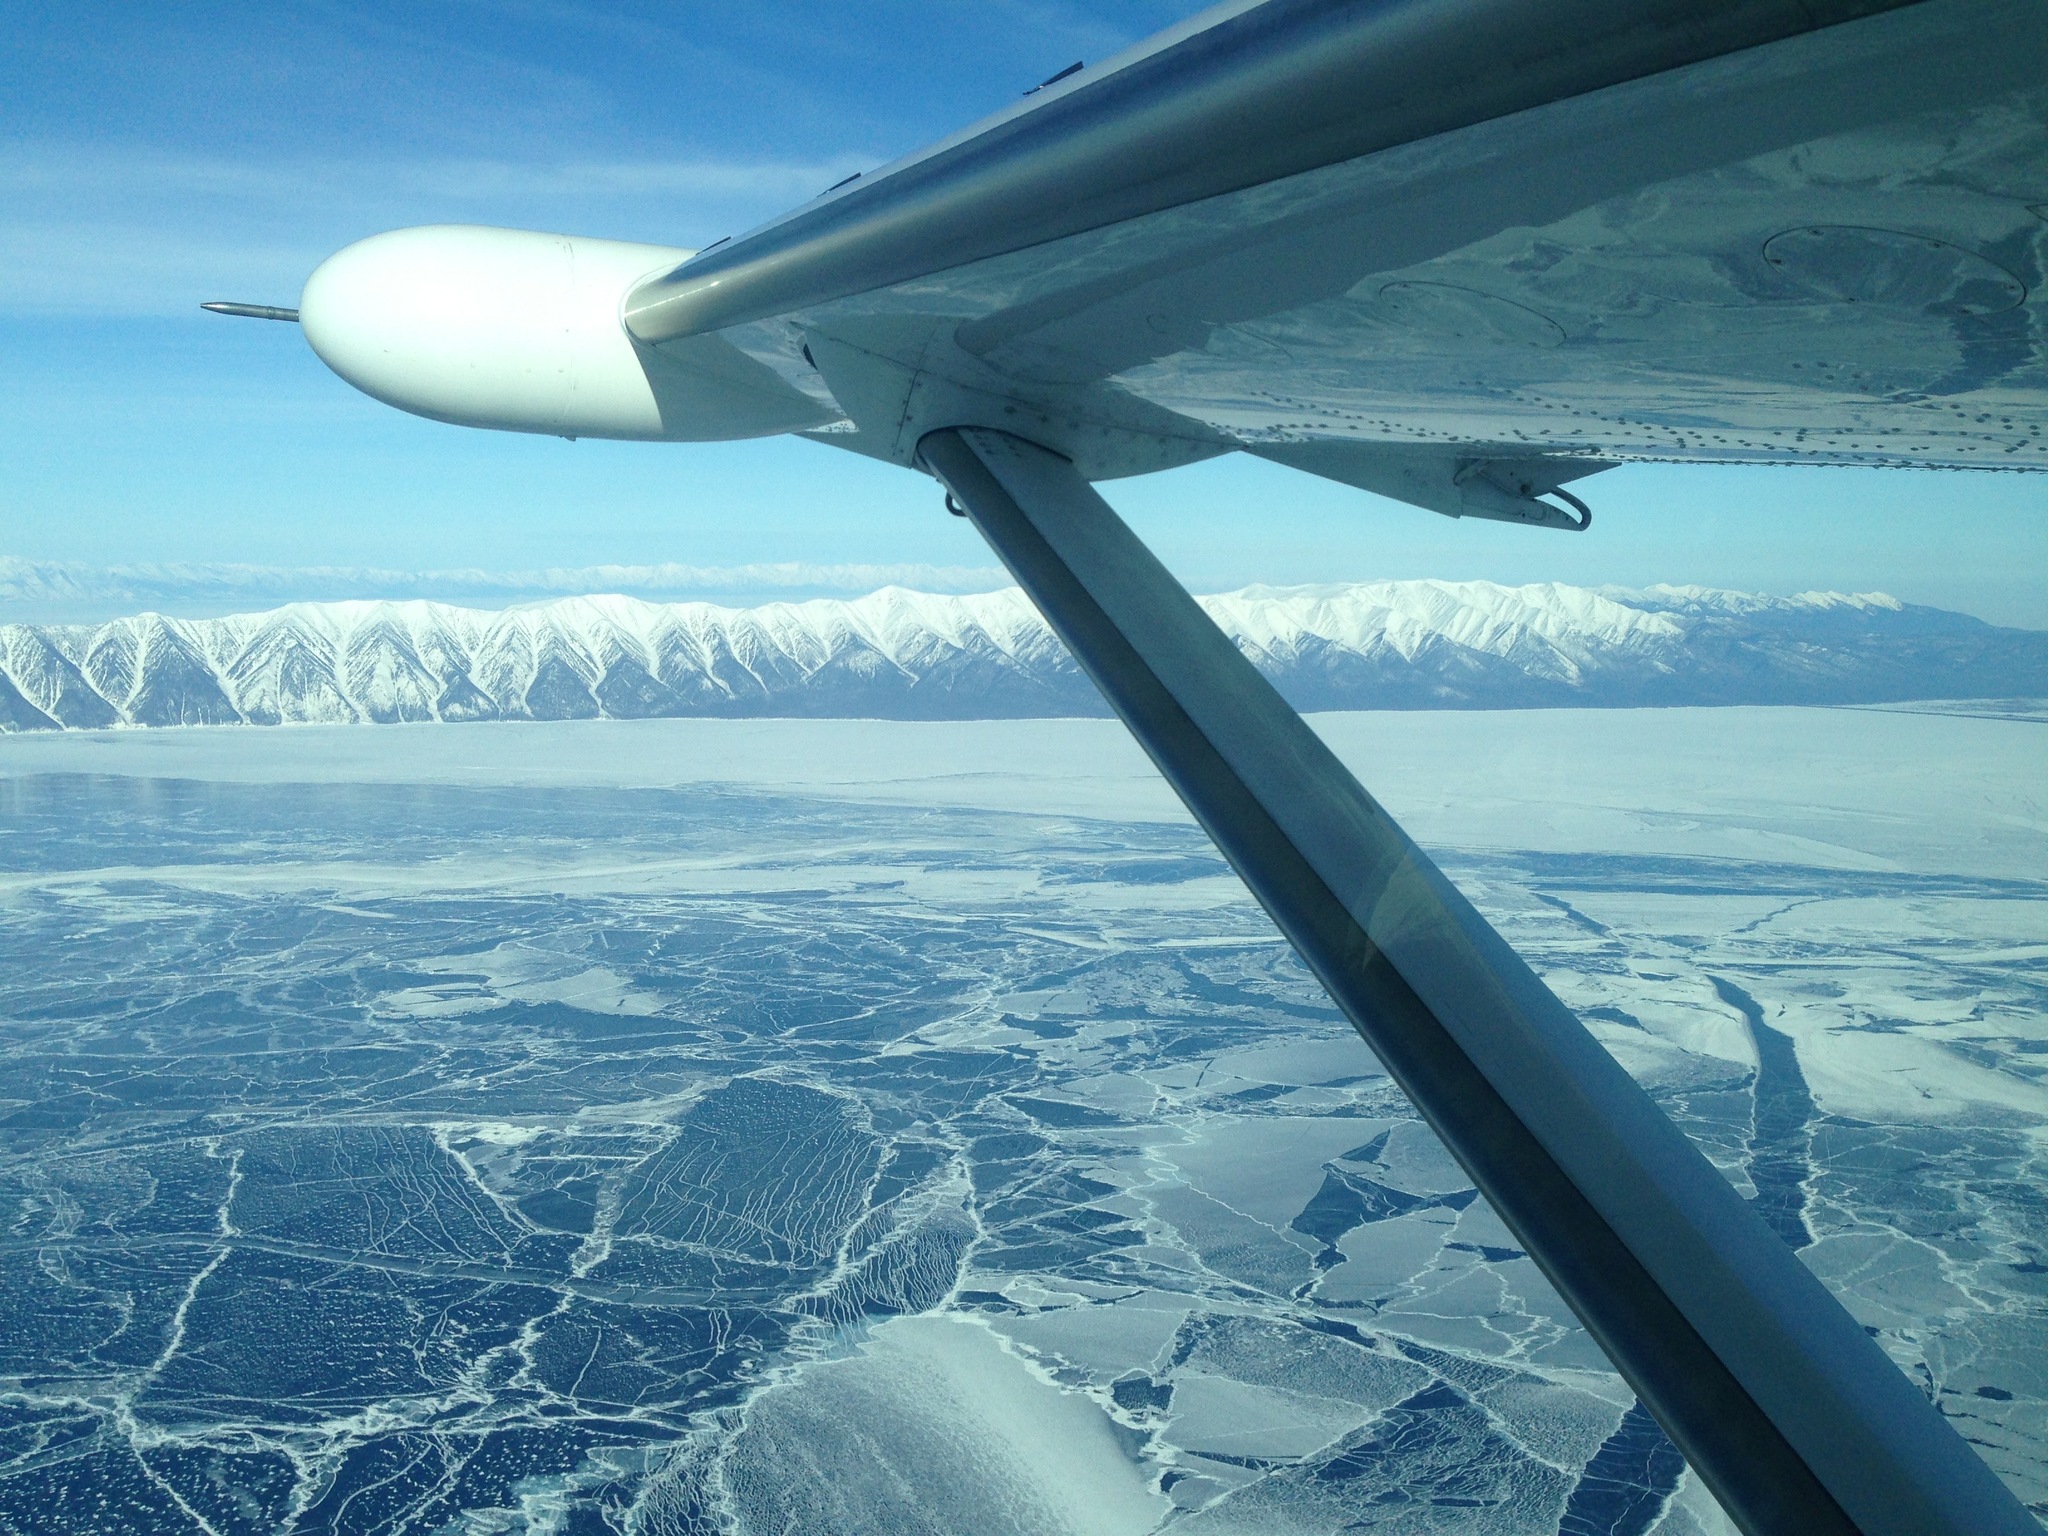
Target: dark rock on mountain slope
913, 655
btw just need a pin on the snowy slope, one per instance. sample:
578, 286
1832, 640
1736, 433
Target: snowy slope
916, 655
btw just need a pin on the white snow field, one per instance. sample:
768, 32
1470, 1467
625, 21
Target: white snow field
1920, 789
694, 1125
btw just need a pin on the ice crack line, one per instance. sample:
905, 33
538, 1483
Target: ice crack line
1781, 1136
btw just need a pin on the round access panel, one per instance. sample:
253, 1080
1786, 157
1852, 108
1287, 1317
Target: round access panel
1453, 313
1849, 265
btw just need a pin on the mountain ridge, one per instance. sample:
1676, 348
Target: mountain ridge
899, 653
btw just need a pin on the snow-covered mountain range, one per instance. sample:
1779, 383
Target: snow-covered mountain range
916, 655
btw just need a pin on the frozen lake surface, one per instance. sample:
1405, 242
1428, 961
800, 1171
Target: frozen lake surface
691, 1126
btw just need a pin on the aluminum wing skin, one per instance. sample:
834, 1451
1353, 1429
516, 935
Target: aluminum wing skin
1382, 240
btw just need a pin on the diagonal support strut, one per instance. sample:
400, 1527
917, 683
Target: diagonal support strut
1793, 1416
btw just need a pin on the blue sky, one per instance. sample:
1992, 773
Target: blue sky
155, 156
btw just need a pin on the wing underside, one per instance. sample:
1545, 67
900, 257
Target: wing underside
1822, 247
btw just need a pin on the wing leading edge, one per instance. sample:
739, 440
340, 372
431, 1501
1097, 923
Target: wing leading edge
1595, 234
1244, 95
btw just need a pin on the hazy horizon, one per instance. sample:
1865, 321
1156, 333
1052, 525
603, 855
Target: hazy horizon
72, 593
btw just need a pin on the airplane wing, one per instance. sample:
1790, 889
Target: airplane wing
1461, 252
1382, 241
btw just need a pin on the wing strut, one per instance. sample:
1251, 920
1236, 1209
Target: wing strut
1793, 1416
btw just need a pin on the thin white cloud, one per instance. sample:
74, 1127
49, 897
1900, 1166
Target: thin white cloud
126, 231
83, 173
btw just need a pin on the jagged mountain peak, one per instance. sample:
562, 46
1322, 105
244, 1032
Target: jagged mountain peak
904, 653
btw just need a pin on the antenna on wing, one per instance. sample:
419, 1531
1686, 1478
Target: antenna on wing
252, 311
1072, 69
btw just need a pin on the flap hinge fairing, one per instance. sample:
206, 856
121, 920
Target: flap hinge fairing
1472, 481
